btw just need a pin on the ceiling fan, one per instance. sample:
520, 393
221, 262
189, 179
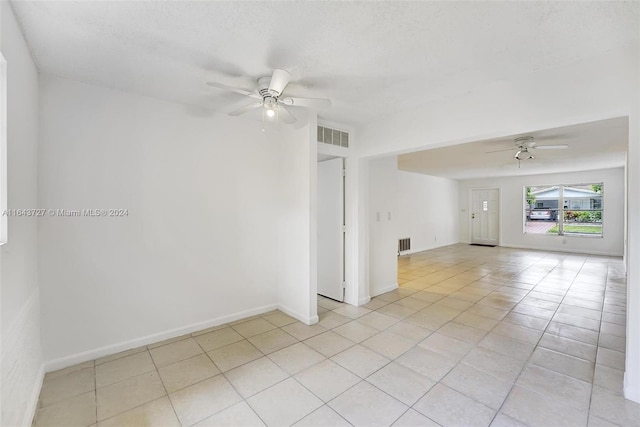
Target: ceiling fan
268, 96
525, 145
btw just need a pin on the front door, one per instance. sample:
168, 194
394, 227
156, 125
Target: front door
485, 216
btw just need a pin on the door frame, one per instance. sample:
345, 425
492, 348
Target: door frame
343, 220
470, 209
356, 221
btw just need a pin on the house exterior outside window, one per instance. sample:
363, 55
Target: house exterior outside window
580, 212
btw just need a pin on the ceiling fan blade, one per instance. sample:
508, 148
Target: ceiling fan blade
285, 115
551, 147
306, 102
499, 151
234, 89
245, 109
279, 80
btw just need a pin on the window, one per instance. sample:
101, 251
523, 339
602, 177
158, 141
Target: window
574, 209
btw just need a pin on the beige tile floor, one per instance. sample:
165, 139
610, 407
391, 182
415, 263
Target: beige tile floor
474, 336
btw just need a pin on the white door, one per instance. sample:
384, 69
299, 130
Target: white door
331, 229
485, 217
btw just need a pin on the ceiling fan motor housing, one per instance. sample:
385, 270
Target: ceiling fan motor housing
525, 141
263, 88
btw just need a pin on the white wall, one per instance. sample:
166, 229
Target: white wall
427, 210
383, 225
21, 356
600, 87
297, 223
199, 245
511, 212
358, 232
632, 362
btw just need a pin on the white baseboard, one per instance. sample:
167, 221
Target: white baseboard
364, 300
386, 289
304, 319
564, 250
74, 359
630, 392
555, 249
414, 251
32, 407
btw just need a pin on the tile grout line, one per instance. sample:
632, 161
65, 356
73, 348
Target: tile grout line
538, 342
439, 328
227, 379
542, 332
595, 363
292, 376
361, 380
134, 376
433, 332
163, 384
414, 344
319, 398
598, 342
289, 376
559, 304
459, 362
509, 311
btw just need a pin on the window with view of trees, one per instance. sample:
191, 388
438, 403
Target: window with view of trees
564, 209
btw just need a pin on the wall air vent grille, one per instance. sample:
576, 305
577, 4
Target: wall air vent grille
404, 244
333, 137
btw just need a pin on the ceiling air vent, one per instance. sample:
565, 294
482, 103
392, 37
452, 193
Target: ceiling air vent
333, 137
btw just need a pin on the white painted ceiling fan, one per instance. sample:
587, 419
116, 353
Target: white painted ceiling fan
268, 96
525, 146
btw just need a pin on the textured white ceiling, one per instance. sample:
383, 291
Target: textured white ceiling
595, 145
368, 57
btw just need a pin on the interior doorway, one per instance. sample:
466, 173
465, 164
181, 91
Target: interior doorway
331, 229
485, 218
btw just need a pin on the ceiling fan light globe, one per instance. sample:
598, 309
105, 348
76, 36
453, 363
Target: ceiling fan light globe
270, 112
